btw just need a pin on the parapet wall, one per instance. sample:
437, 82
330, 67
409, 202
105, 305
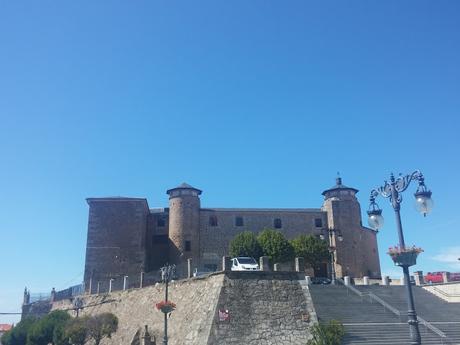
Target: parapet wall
262, 308
449, 292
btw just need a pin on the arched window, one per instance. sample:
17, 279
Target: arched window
213, 221
277, 223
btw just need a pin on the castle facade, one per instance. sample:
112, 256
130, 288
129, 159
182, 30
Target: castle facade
126, 237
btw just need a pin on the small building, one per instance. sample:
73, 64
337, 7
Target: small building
4, 327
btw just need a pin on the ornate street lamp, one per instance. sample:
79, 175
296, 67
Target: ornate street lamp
167, 273
402, 256
332, 250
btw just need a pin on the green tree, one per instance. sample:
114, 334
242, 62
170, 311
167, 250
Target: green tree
76, 331
45, 329
101, 326
312, 249
275, 246
245, 244
18, 335
327, 334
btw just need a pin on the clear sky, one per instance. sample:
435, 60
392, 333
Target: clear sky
258, 103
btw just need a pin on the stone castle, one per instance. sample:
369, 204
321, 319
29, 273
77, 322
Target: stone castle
126, 237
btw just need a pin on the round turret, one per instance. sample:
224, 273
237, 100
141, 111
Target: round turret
184, 223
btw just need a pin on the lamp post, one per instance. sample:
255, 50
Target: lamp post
167, 273
405, 257
332, 250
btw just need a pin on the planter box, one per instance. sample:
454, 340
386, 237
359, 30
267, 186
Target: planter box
405, 258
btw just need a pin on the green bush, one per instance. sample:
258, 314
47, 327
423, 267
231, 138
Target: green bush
327, 334
101, 326
76, 331
48, 329
312, 249
245, 244
275, 246
18, 335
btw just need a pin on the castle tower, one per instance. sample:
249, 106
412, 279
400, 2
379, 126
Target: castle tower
357, 253
184, 224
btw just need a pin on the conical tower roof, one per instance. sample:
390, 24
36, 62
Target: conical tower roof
184, 186
339, 186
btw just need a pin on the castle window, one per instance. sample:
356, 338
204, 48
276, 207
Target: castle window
188, 246
318, 222
213, 221
277, 223
239, 221
161, 221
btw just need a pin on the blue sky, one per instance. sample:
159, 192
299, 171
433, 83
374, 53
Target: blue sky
258, 103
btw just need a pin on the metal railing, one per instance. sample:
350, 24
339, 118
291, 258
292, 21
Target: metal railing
445, 294
441, 334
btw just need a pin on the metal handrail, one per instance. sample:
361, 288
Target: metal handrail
394, 310
444, 293
431, 327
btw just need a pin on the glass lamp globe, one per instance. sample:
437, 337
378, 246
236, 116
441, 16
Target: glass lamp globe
423, 202
375, 219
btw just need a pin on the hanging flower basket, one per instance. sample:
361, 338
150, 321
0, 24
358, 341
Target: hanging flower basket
406, 256
165, 306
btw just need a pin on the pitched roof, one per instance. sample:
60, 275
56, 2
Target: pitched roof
4, 327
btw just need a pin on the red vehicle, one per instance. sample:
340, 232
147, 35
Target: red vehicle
436, 277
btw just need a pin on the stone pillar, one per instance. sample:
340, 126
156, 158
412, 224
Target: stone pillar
418, 276
53, 295
276, 267
90, 287
98, 287
445, 277
308, 280
385, 280
110, 284
365, 280
226, 264
299, 264
125, 282
347, 280
264, 263
189, 268
141, 283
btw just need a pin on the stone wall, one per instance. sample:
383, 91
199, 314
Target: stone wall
264, 308
215, 240
449, 292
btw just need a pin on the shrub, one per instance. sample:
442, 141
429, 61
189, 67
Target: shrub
46, 329
18, 335
312, 249
101, 326
245, 244
76, 331
327, 334
275, 246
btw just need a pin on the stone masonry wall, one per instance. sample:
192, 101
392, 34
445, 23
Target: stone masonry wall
189, 324
215, 240
264, 308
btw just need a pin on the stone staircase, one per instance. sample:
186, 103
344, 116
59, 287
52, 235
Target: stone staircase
443, 315
366, 321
